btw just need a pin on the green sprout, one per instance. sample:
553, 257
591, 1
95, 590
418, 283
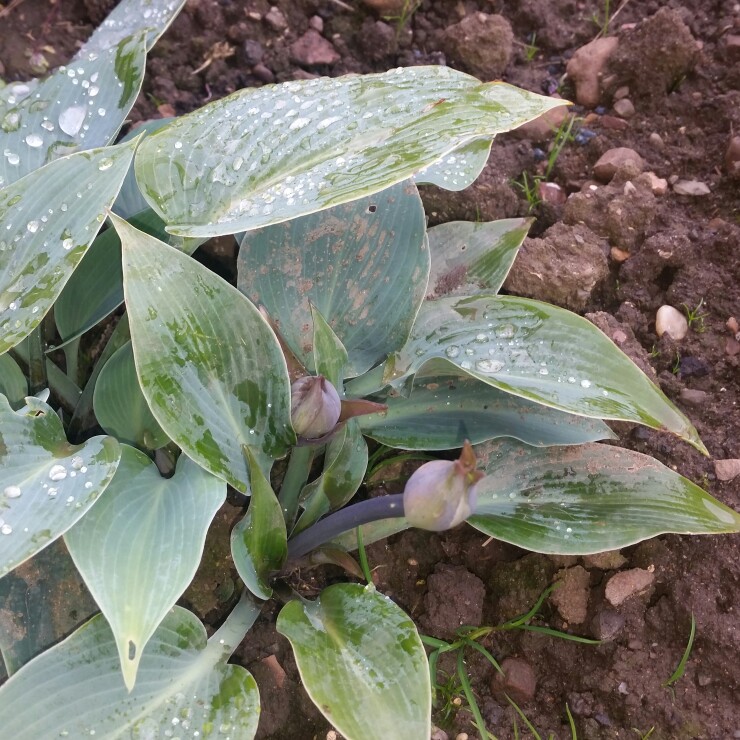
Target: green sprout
681, 667
695, 316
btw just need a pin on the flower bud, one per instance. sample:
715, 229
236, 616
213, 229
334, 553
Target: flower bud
441, 493
314, 406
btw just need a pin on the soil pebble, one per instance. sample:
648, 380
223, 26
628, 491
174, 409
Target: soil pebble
614, 159
626, 584
624, 108
607, 624
727, 469
690, 187
586, 68
732, 158
519, 680
671, 321
454, 598
481, 43
565, 266
571, 597
313, 49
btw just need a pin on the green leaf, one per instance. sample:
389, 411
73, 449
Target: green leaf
184, 685
259, 542
139, 548
208, 363
445, 410
49, 220
13, 384
329, 355
540, 352
120, 406
361, 662
459, 169
131, 17
588, 499
265, 155
78, 107
46, 484
345, 464
472, 257
130, 201
95, 289
363, 265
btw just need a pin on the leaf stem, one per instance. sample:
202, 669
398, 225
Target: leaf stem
37, 380
299, 467
363, 512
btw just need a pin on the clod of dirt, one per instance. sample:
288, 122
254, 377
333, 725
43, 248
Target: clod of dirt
586, 68
626, 584
313, 49
571, 598
519, 680
610, 560
614, 159
377, 39
607, 624
727, 469
658, 185
693, 188
620, 213
275, 19
564, 267
655, 56
671, 321
693, 396
454, 598
481, 43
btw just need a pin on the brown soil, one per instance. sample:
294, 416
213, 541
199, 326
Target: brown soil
682, 249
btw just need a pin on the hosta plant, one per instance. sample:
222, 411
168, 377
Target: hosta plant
350, 321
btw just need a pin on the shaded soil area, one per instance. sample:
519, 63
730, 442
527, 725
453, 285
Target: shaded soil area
611, 241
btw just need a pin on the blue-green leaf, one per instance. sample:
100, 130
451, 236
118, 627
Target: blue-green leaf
587, 499
46, 484
265, 155
361, 662
363, 265
139, 547
185, 685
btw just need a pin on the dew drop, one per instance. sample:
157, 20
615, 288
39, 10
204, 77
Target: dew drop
33, 226
12, 491
452, 351
70, 499
34, 140
12, 158
48, 125
68, 244
585, 384
71, 119
465, 365
53, 492
481, 338
57, 472
77, 462
505, 330
6, 529
544, 371
105, 164
489, 366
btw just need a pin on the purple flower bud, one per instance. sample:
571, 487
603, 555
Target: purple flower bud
314, 406
441, 494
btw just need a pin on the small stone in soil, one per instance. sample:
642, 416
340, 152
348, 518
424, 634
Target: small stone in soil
626, 584
586, 69
624, 108
727, 469
607, 624
693, 397
312, 49
519, 680
671, 321
691, 187
613, 160
656, 141
732, 158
